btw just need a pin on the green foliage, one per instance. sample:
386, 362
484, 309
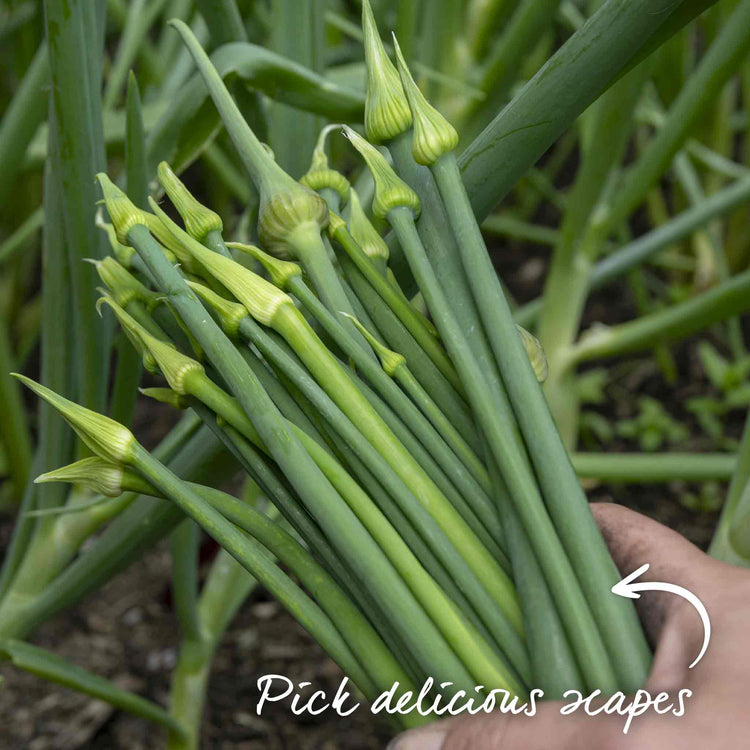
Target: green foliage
444, 529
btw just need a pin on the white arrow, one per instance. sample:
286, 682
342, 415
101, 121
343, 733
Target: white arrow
627, 588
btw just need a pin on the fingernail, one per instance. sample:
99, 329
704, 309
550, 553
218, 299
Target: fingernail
418, 740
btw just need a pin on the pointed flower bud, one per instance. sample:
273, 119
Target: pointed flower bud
390, 190
175, 366
123, 212
364, 233
389, 359
386, 109
230, 314
103, 436
280, 271
123, 285
100, 476
285, 205
199, 220
132, 329
433, 134
123, 253
261, 298
94, 473
285, 210
536, 354
320, 175
173, 250
165, 396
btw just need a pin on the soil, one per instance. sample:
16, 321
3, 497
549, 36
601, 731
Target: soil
127, 631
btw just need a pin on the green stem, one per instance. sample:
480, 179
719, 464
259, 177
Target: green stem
721, 547
643, 468
645, 247
725, 301
54, 669
223, 20
704, 85
227, 586
443, 425
572, 606
140, 17
400, 307
335, 381
184, 542
506, 225
256, 560
398, 401
567, 504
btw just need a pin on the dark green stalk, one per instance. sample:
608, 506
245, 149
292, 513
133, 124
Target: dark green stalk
312, 255
141, 15
184, 542
55, 443
553, 664
443, 425
398, 338
506, 225
297, 33
223, 20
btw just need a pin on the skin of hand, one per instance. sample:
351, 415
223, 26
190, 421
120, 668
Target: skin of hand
716, 715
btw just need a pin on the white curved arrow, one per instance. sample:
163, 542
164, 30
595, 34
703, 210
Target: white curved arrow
627, 588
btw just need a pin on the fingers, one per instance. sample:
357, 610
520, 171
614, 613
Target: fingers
633, 540
547, 730
671, 623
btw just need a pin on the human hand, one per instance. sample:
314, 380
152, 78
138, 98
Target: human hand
716, 715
